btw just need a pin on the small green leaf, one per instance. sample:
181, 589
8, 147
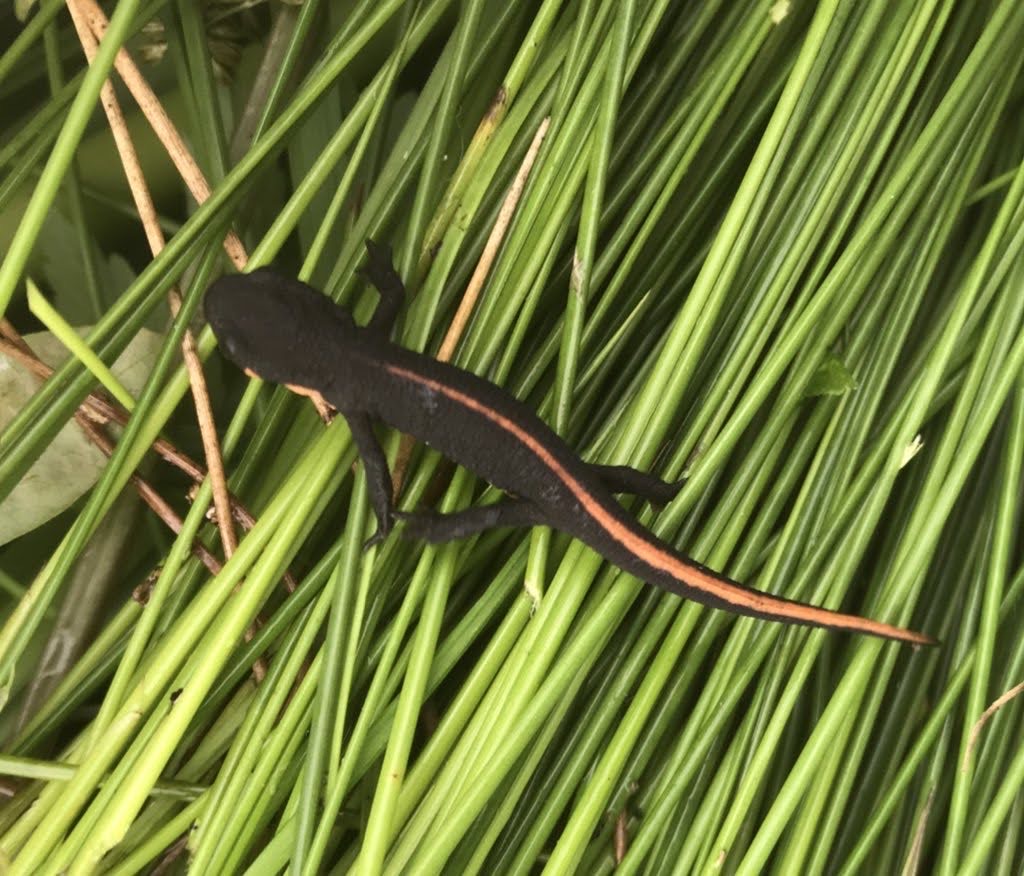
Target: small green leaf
831, 378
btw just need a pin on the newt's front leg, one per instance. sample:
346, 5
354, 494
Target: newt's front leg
381, 273
378, 477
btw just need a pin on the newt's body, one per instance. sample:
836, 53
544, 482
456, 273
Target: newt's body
284, 331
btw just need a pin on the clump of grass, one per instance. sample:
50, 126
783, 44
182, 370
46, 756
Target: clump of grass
775, 251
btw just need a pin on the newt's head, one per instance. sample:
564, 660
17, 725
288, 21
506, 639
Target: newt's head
276, 327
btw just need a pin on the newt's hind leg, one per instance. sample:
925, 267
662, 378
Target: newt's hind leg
381, 273
435, 527
623, 479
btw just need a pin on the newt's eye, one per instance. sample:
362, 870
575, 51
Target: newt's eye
230, 346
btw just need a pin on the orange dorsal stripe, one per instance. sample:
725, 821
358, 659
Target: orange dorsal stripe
653, 554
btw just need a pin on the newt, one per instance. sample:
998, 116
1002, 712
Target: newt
284, 331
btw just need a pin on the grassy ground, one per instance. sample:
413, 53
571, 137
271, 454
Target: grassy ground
775, 249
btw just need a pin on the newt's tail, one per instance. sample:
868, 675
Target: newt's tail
633, 548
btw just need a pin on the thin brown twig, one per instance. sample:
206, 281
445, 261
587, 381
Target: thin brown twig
913, 863
620, 842
494, 241
476, 283
171, 855
972, 739
7, 330
98, 408
149, 494
161, 123
154, 235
